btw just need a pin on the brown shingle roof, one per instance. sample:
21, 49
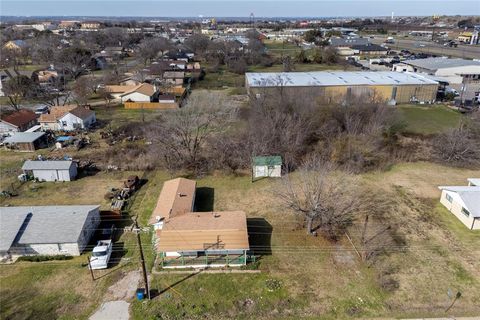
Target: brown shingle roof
199, 231
143, 88
81, 112
119, 89
19, 118
176, 198
56, 113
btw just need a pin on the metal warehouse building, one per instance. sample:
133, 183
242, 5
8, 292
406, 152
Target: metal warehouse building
336, 86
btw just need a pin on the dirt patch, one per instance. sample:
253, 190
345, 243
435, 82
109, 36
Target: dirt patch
125, 288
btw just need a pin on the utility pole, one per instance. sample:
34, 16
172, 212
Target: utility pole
142, 260
90, 267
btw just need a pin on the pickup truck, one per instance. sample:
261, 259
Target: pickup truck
101, 255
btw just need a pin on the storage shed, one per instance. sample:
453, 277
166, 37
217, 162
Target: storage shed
26, 141
47, 230
270, 166
56, 170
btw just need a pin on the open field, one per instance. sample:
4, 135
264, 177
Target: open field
301, 276
428, 119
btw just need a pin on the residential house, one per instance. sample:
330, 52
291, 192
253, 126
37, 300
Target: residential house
463, 202
174, 77
26, 141
117, 91
47, 230
90, 25
17, 121
51, 170
140, 93
269, 166
196, 239
15, 45
67, 118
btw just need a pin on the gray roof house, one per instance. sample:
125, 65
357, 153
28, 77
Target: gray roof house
463, 202
26, 141
51, 170
47, 230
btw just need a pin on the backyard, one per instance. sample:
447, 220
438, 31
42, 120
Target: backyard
300, 275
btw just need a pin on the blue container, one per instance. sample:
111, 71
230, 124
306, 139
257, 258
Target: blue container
140, 294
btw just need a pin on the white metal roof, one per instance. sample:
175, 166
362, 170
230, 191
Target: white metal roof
474, 181
334, 78
47, 165
441, 63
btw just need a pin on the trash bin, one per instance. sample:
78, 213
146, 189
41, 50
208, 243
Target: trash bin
140, 294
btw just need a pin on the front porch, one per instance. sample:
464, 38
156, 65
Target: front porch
205, 261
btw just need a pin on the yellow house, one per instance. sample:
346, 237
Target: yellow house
463, 202
465, 37
15, 45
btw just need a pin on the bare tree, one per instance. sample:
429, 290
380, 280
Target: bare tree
17, 89
322, 196
181, 135
198, 43
105, 94
458, 146
82, 90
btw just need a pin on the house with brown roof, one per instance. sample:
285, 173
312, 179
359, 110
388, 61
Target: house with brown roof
185, 238
67, 118
17, 121
140, 93
117, 90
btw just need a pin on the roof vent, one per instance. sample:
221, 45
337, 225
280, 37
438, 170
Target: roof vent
216, 215
182, 195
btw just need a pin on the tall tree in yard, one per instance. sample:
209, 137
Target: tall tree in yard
17, 89
322, 196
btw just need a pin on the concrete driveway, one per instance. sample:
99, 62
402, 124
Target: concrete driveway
113, 310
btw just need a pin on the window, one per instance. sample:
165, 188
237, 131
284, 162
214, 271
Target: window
465, 212
64, 123
449, 198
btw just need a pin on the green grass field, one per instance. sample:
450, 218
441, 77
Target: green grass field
428, 119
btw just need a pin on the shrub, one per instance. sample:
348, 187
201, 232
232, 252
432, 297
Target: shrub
41, 258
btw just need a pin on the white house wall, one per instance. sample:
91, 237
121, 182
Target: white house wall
70, 122
456, 206
263, 171
136, 97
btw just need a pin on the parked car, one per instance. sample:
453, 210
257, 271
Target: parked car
101, 255
41, 109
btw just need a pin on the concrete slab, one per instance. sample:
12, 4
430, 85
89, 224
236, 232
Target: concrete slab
113, 310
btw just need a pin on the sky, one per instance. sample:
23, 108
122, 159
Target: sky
238, 8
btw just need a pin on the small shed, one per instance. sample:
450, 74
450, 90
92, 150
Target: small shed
55, 170
268, 166
26, 141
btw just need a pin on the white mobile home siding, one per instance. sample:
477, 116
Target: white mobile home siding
267, 171
455, 207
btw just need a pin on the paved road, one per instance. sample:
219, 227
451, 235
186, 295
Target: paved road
463, 51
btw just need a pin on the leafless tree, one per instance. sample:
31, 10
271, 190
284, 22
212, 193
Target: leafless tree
321, 195
198, 43
106, 95
181, 135
458, 146
17, 89
83, 89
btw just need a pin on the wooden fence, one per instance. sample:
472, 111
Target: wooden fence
151, 105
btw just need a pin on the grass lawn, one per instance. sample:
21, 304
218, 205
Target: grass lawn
301, 276
429, 119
